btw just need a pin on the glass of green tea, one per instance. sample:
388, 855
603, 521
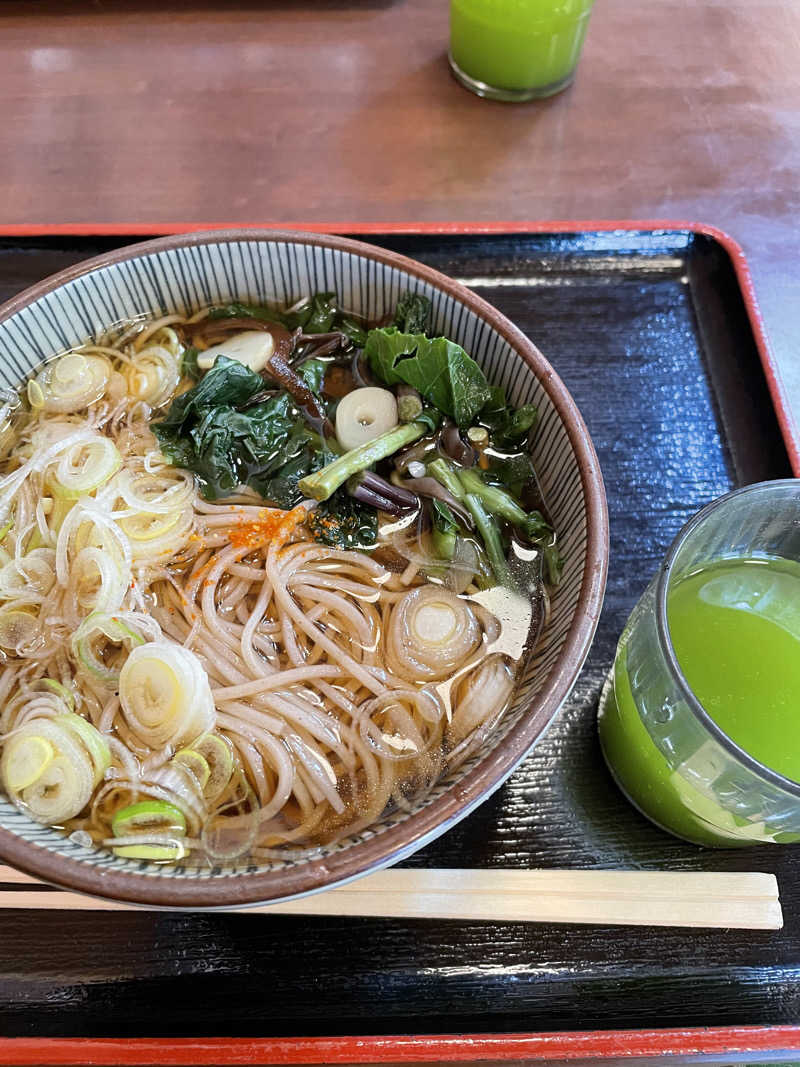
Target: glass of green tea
517, 49
700, 718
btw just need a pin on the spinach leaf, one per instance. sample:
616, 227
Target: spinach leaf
437, 368
342, 522
280, 487
318, 314
236, 310
228, 382
204, 432
356, 332
313, 374
413, 313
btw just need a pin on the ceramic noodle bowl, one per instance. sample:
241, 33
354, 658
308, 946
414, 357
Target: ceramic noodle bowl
181, 274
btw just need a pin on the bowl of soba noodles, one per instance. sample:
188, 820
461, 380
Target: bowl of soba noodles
302, 547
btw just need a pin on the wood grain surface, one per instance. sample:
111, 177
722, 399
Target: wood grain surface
324, 110
650, 336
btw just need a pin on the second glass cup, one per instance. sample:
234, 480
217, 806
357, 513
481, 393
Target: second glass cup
517, 50
699, 720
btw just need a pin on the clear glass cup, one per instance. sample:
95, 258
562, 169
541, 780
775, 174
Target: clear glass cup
517, 50
666, 752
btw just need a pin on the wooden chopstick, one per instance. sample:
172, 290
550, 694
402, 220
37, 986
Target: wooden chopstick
746, 901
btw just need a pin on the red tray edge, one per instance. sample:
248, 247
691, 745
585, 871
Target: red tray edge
786, 421
421, 1048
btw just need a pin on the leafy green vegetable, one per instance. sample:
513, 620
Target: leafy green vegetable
189, 366
495, 499
343, 522
441, 470
313, 374
281, 486
236, 310
508, 426
445, 530
413, 313
228, 382
437, 368
515, 472
204, 433
356, 332
318, 314
499, 502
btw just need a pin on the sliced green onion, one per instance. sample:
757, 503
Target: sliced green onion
35, 395
60, 691
155, 816
217, 753
18, 627
108, 626
28, 761
70, 383
165, 694
153, 375
168, 852
146, 526
94, 742
85, 467
196, 764
59, 786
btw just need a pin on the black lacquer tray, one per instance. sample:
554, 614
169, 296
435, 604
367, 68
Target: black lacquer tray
652, 333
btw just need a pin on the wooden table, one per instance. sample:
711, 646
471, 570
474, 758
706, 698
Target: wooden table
281, 110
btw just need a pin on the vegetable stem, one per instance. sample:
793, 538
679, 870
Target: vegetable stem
446, 476
478, 436
403, 499
490, 534
409, 403
443, 542
496, 500
323, 483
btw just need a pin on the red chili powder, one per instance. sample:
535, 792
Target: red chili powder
271, 525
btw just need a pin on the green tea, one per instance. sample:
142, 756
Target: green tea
518, 44
735, 629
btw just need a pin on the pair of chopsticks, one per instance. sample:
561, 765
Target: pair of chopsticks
746, 901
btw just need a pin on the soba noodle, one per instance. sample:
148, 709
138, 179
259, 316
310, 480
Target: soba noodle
191, 679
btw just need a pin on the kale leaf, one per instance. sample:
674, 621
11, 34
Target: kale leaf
437, 368
413, 313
